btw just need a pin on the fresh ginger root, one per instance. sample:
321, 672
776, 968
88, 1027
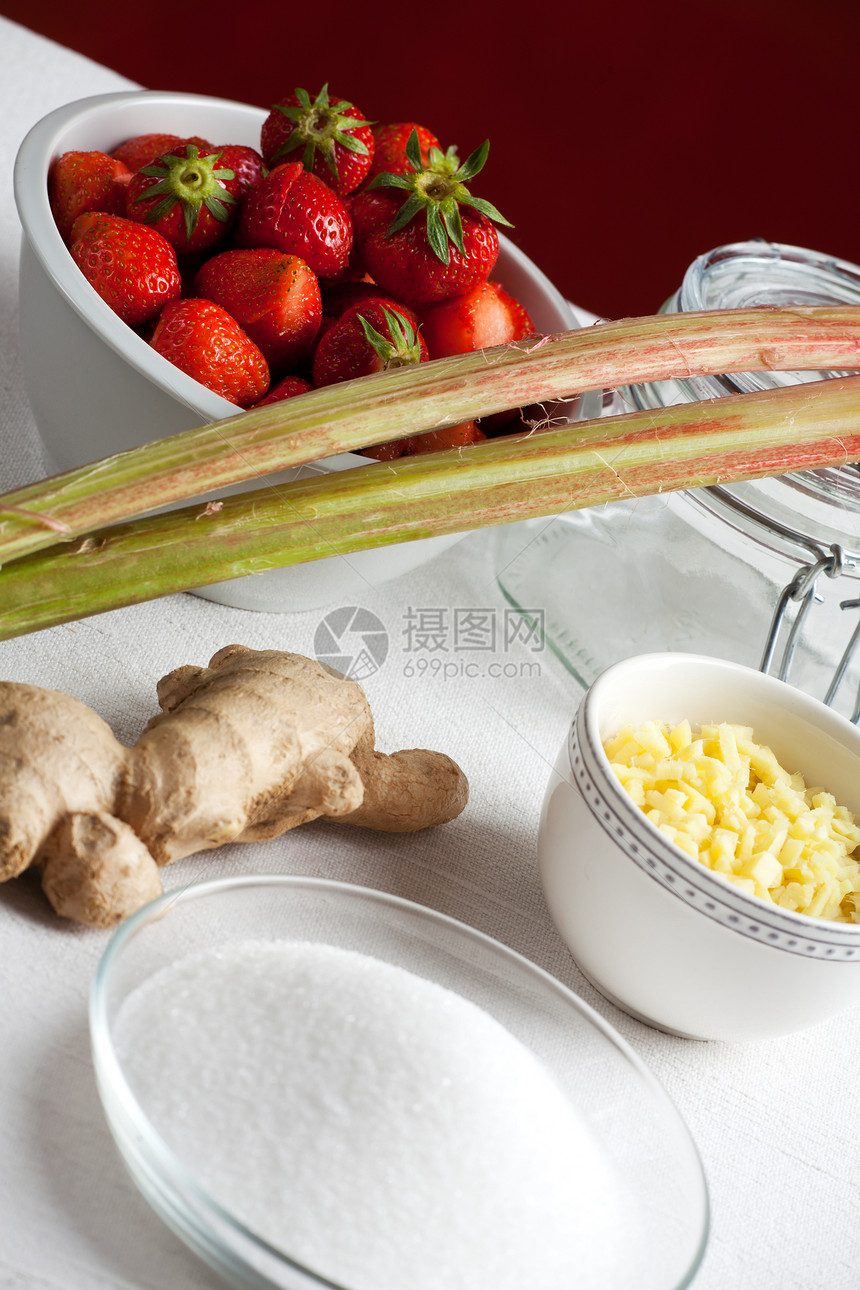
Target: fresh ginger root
243, 750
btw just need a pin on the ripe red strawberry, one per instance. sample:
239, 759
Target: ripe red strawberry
275, 299
445, 437
291, 210
288, 388
389, 147
431, 441
143, 149
85, 181
331, 138
437, 241
485, 316
370, 337
205, 342
247, 165
341, 296
133, 268
189, 197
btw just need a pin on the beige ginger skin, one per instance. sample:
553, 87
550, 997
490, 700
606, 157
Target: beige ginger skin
256, 743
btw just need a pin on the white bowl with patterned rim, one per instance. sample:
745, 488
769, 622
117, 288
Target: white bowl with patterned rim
658, 933
108, 390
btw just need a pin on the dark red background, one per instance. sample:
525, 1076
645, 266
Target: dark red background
625, 138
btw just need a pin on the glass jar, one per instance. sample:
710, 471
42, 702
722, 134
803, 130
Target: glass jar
766, 573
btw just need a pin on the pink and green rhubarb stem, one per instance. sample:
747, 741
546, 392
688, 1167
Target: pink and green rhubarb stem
353, 415
502, 480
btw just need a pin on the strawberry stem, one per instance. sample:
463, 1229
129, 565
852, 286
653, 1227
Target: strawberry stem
318, 126
438, 190
400, 347
191, 180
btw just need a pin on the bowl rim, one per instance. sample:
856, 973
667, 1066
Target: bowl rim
679, 874
109, 1071
42, 143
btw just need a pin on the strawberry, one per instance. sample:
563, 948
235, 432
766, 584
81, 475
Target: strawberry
143, 149
275, 299
485, 316
247, 165
189, 197
389, 147
431, 441
133, 268
445, 437
288, 388
341, 296
369, 337
334, 139
436, 242
85, 181
290, 210
207, 344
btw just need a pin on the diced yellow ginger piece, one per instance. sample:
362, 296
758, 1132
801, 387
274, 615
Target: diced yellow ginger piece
745, 884
622, 747
817, 907
803, 827
764, 764
764, 869
652, 738
699, 804
729, 747
665, 769
676, 802
790, 852
687, 843
636, 790
844, 827
714, 777
747, 842
680, 736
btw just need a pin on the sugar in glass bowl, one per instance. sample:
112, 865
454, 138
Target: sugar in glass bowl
108, 390
204, 1029
656, 931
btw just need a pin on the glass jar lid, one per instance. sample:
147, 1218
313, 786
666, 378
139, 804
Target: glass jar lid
760, 274
821, 506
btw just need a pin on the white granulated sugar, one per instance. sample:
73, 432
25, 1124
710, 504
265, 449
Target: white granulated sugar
377, 1127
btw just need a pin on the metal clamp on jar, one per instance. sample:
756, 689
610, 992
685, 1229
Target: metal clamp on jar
765, 573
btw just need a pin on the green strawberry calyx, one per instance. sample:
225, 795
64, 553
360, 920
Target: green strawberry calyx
439, 189
319, 126
401, 347
191, 180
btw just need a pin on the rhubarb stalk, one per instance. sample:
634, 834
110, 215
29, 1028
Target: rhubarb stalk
511, 478
358, 414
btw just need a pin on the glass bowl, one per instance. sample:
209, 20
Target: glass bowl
637, 1163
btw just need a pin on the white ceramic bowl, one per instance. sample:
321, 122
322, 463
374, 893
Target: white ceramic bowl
108, 390
646, 1170
658, 933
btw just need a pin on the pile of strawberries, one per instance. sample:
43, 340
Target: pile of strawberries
339, 249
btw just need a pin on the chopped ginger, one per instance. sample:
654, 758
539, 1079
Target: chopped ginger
726, 801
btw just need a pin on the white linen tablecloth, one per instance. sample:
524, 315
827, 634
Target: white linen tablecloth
777, 1123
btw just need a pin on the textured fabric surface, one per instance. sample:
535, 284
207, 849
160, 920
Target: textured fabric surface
777, 1124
